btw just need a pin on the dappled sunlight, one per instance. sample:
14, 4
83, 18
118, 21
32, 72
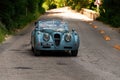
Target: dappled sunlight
66, 13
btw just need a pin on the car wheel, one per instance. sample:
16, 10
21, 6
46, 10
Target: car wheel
74, 52
36, 52
32, 49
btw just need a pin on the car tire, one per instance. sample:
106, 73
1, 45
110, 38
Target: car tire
74, 53
36, 52
32, 49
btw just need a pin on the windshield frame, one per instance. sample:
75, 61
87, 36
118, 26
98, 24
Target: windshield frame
52, 24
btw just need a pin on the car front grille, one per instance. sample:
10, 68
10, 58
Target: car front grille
57, 39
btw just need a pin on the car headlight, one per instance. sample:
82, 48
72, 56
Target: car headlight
68, 37
46, 37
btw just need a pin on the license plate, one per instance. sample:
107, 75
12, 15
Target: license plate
46, 44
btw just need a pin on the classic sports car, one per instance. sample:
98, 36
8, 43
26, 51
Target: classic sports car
54, 35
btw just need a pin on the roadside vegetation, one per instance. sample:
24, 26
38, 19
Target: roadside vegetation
109, 10
3, 32
15, 14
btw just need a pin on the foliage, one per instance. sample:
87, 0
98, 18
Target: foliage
15, 14
110, 13
115, 21
60, 3
3, 32
50, 4
46, 5
78, 4
109, 9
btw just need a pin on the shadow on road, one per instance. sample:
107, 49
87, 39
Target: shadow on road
28, 52
54, 54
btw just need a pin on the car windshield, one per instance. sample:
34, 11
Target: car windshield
53, 24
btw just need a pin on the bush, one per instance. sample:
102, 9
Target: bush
115, 21
52, 6
78, 7
45, 5
15, 14
78, 4
3, 32
110, 14
73, 6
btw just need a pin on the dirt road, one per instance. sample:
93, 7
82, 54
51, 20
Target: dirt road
97, 58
